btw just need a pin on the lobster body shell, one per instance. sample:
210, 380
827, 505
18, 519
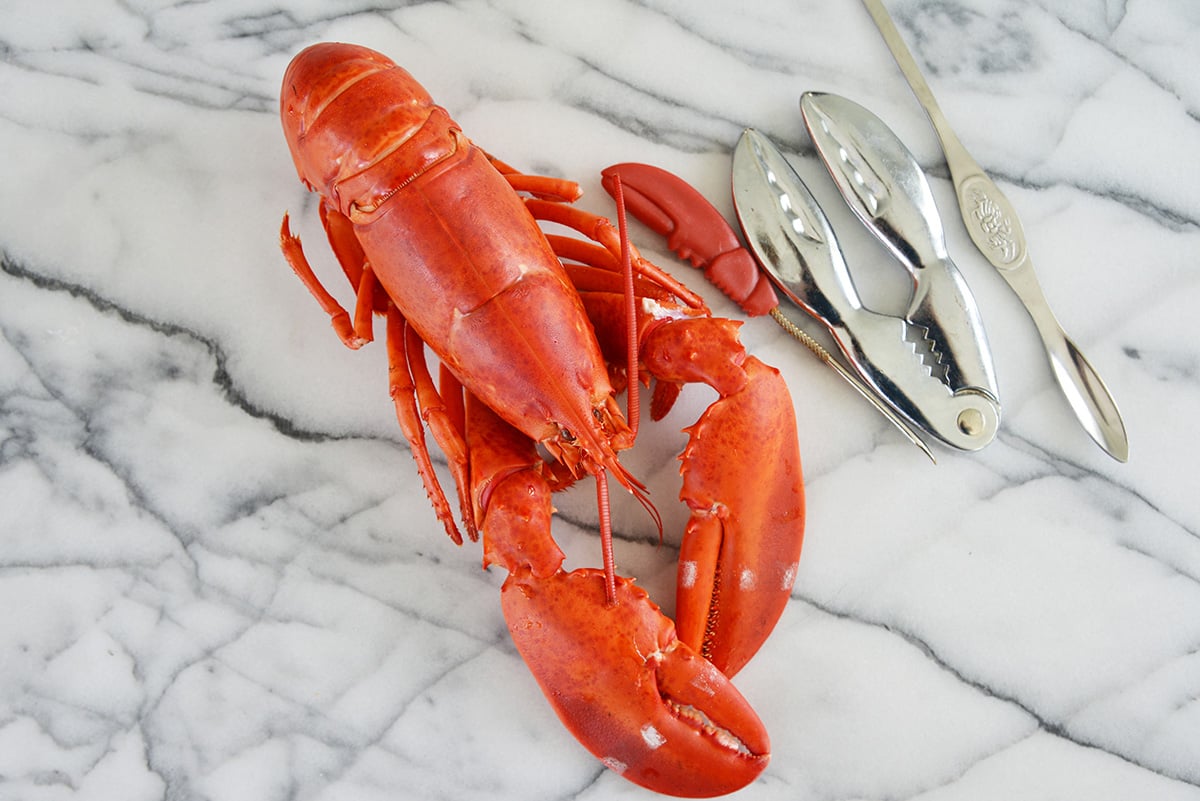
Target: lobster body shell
432, 233
469, 290
476, 318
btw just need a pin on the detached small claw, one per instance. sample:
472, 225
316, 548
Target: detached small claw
695, 231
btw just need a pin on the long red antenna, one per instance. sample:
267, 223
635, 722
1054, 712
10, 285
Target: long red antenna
606, 543
634, 409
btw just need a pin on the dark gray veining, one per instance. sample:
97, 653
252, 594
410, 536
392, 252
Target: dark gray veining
220, 577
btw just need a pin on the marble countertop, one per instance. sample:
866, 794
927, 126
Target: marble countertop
220, 578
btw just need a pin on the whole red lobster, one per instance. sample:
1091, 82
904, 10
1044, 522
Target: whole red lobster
432, 234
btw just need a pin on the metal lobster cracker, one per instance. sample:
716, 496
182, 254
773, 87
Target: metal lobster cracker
932, 364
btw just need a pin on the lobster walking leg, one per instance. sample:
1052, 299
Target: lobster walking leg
405, 352
369, 297
600, 230
443, 421
342, 324
542, 187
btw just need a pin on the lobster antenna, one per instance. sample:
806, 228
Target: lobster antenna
638, 490
606, 543
634, 412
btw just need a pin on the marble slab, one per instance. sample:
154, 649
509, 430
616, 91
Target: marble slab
220, 578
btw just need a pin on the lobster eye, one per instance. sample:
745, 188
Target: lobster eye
566, 436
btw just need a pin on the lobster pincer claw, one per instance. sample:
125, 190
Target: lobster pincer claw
641, 700
741, 549
644, 703
695, 231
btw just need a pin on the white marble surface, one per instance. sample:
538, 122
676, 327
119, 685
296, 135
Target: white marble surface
219, 577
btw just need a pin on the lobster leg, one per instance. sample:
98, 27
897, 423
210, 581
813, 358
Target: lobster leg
600, 230
451, 391
409, 378
540, 186
408, 375
404, 391
294, 253
645, 703
593, 268
444, 421
370, 297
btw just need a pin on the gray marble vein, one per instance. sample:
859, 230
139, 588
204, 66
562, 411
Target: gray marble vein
221, 578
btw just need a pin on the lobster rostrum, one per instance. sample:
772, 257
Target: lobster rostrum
535, 334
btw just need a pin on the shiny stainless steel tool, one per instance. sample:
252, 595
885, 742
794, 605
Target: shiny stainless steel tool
953, 399
994, 228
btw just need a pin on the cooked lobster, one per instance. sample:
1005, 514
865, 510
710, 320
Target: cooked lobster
532, 332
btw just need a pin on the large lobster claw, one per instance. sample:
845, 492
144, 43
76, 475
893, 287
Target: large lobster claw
640, 699
741, 550
741, 469
647, 705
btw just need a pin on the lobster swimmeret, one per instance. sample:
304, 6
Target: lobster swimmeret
532, 331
